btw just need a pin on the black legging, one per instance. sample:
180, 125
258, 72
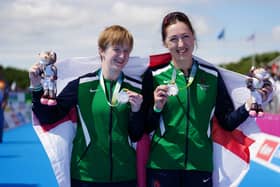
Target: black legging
178, 178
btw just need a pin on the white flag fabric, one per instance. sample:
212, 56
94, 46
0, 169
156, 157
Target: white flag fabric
231, 149
231, 153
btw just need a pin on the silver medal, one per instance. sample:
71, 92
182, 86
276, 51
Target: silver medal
123, 97
172, 89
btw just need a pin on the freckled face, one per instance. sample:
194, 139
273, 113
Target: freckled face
179, 41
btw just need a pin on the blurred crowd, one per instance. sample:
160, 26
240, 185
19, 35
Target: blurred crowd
274, 105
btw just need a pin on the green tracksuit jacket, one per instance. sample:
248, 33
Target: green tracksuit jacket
182, 130
109, 156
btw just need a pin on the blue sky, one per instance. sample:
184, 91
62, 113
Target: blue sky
71, 27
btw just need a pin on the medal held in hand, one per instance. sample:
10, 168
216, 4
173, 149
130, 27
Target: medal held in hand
172, 86
123, 97
172, 89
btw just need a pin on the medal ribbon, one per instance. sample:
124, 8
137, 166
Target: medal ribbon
116, 89
191, 77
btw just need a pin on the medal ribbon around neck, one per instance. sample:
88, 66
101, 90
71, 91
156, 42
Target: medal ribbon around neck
191, 77
116, 89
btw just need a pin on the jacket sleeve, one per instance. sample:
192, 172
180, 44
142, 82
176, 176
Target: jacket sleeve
136, 125
66, 100
151, 117
229, 117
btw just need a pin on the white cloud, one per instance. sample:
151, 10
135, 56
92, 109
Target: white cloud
71, 27
137, 14
276, 33
38, 20
200, 25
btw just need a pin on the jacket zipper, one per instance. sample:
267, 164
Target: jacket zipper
187, 127
110, 136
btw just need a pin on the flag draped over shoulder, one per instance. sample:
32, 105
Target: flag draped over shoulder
231, 153
231, 149
57, 138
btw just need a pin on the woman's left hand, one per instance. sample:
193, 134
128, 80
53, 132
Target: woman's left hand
135, 100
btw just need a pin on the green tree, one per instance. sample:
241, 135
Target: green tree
16, 75
244, 65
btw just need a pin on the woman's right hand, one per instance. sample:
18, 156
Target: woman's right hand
34, 75
160, 96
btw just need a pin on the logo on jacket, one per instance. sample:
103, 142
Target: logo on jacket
202, 84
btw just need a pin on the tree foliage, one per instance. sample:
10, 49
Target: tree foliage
20, 77
244, 65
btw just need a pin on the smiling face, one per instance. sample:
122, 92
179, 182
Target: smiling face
115, 44
178, 36
115, 57
180, 41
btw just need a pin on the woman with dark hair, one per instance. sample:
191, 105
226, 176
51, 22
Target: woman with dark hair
182, 98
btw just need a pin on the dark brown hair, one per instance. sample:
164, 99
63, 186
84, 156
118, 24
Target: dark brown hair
173, 18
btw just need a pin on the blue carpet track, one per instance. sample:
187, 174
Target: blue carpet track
23, 161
